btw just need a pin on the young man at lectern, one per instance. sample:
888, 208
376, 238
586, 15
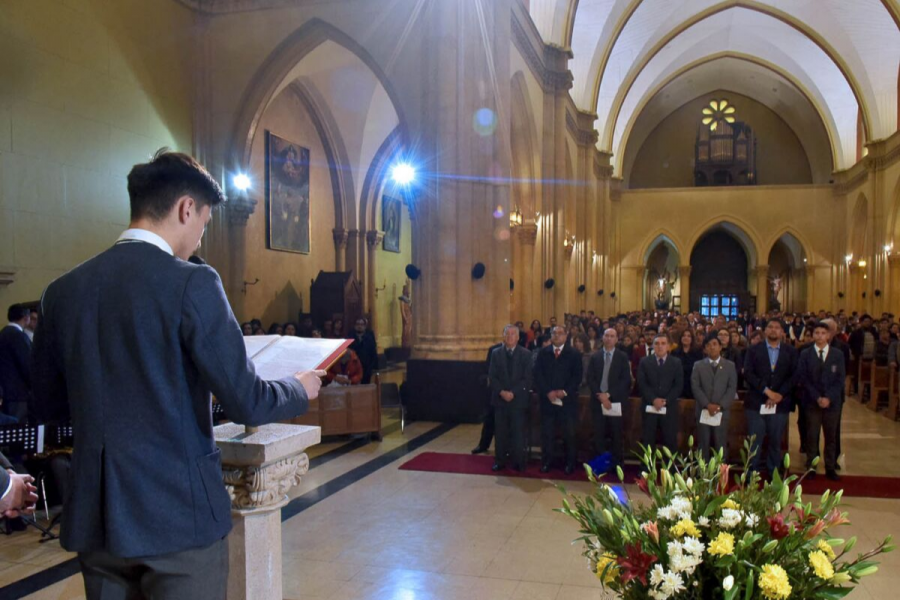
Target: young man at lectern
147, 511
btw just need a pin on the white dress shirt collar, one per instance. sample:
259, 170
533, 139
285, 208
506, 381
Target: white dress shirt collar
143, 235
823, 350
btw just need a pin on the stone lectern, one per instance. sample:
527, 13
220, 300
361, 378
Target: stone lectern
259, 466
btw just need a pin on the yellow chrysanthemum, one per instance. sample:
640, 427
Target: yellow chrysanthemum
821, 565
773, 581
826, 548
731, 504
723, 545
685, 527
606, 559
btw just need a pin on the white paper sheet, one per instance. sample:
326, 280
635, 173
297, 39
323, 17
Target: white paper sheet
707, 419
283, 356
650, 409
765, 410
614, 410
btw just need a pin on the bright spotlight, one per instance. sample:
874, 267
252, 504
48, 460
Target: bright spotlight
403, 174
241, 182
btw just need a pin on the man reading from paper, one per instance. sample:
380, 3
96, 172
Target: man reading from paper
130, 346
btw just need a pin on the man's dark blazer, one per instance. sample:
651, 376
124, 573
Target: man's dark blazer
825, 381
563, 373
130, 344
666, 381
367, 351
758, 375
619, 376
520, 382
15, 371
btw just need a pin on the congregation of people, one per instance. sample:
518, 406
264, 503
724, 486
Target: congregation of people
774, 364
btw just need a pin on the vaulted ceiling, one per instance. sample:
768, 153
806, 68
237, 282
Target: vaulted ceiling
842, 56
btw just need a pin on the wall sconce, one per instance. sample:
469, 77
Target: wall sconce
380, 289
515, 217
849, 258
246, 283
861, 263
888, 247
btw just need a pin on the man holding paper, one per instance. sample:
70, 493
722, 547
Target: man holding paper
660, 381
609, 376
769, 370
557, 377
130, 346
714, 384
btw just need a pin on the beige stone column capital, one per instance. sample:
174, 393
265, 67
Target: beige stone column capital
341, 237
373, 238
810, 270
761, 270
893, 258
684, 271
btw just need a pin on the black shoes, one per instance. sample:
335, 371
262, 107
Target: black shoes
545, 468
479, 450
569, 469
832, 475
498, 467
811, 476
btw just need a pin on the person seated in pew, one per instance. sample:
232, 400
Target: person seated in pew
347, 370
882, 348
660, 381
609, 378
822, 374
714, 384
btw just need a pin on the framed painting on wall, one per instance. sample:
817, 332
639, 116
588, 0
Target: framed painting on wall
390, 223
287, 195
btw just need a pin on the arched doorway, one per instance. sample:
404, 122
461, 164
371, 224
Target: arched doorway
719, 274
787, 274
662, 285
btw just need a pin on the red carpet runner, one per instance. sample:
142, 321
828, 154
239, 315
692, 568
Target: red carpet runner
467, 464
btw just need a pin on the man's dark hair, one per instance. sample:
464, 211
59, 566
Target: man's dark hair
866, 316
17, 312
779, 321
713, 337
821, 325
155, 187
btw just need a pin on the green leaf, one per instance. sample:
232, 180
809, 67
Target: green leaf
749, 592
833, 593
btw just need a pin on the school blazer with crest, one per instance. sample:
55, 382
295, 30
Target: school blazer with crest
829, 383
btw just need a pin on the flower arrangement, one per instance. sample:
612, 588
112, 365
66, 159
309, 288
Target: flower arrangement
704, 536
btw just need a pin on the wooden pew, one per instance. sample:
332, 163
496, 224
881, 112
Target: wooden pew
864, 379
879, 381
341, 410
893, 394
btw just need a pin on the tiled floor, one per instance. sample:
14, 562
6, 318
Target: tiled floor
408, 535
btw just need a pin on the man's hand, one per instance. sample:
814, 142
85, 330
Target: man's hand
824, 402
659, 403
712, 408
551, 396
607, 404
311, 382
342, 379
21, 498
506, 395
603, 397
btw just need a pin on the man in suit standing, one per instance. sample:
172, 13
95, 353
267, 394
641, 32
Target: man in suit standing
769, 370
822, 374
510, 377
714, 384
15, 360
609, 377
557, 377
660, 381
18, 494
147, 511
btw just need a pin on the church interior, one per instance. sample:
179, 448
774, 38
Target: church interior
441, 168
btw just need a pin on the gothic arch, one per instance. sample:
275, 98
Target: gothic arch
740, 230
802, 242
656, 238
274, 75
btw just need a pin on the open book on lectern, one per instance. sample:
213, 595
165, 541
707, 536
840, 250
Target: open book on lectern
277, 356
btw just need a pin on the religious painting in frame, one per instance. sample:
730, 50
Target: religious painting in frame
287, 195
390, 223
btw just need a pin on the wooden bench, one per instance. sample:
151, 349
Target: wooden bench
879, 382
893, 394
342, 410
863, 379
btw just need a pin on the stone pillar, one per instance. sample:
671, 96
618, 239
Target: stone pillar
373, 240
356, 257
684, 276
762, 289
526, 286
811, 289
341, 236
892, 284
259, 468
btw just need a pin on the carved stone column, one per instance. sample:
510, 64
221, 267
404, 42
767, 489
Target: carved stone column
341, 236
259, 469
762, 289
684, 276
373, 240
892, 293
525, 285
811, 289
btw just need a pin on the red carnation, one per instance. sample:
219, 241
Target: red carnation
636, 564
777, 527
643, 485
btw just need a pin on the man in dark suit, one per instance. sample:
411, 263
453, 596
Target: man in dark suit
557, 377
147, 511
836, 342
714, 384
15, 370
660, 381
365, 348
769, 370
18, 494
609, 377
510, 377
822, 373
487, 418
